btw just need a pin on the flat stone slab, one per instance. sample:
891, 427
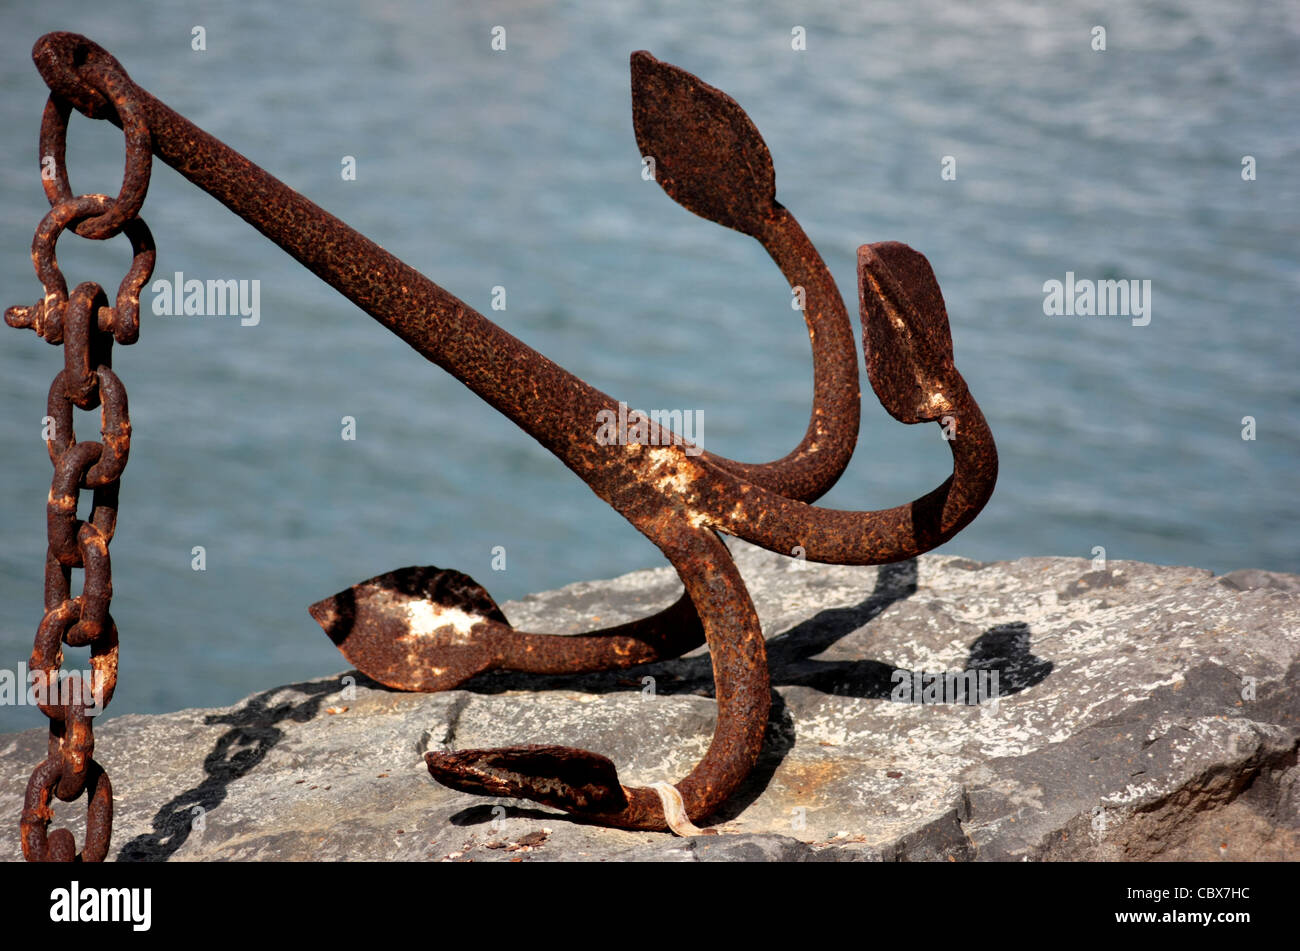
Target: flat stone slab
1135, 712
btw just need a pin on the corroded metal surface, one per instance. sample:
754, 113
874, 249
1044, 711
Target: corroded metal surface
431, 629
86, 326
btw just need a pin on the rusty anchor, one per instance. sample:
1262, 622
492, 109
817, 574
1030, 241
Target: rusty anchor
428, 629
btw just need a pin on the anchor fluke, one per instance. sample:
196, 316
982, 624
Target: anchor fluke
419, 628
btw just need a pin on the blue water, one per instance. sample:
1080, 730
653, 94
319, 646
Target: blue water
519, 168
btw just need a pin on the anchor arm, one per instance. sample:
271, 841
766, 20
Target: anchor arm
909, 361
708, 156
585, 783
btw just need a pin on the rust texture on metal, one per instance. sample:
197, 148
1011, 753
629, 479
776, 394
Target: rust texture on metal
86, 326
428, 629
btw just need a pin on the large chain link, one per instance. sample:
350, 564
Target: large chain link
87, 326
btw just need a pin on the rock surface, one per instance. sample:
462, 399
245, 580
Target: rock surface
1141, 713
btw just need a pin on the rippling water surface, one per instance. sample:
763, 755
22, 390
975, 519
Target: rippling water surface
519, 168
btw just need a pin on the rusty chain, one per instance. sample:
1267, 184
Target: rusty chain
86, 326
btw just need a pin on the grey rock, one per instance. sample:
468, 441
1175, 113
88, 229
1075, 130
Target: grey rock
1138, 713
1248, 578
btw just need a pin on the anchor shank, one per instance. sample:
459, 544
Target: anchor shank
536, 394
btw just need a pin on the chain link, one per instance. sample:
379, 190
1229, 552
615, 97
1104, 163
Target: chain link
86, 326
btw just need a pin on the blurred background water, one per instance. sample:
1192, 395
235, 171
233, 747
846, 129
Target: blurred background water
519, 168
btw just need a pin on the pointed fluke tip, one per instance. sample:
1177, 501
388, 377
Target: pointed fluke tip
907, 343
